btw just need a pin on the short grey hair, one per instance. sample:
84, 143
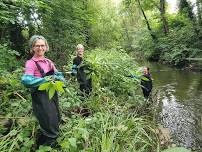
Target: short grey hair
33, 40
79, 46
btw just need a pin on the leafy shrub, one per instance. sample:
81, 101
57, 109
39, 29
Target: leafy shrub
111, 126
176, 149
110, 69
178, 46
8, 58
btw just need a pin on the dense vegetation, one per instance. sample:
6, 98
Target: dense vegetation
167, 37
115, 117
146, 28
109, 120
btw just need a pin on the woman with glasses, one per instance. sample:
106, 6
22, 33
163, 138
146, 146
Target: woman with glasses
46, 110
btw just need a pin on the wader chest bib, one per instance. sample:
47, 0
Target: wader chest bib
147, 85
84, 81
46, 110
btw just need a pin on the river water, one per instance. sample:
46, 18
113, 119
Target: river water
179, 93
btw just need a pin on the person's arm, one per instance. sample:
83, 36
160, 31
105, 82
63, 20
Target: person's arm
30, 81
59, 76
135, 76
74, 66
74, 70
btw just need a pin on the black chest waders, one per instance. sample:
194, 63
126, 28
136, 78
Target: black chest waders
84, 81
146, 86
47, 112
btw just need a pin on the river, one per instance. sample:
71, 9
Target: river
179, 93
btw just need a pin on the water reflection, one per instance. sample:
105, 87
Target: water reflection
180, 119
180, 96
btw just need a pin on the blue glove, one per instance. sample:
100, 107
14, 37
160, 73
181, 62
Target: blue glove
59, 76
134, 76
74, 69
30, 81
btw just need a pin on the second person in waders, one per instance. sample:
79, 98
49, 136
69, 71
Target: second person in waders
46, 110
79, 70
146, 84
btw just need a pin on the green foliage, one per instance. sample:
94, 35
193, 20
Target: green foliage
7, 12
68, 23
51, 87
178, 21
186, 9
107, 21
174, 48
178, 46
181, 42
107, 131
8, 58
176, 149
15, 109
111, 126
109, 69
65, 25
12, 92
44, 149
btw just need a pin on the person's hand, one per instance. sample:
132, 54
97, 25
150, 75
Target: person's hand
134, 76
59, 76
49, 78
74, 70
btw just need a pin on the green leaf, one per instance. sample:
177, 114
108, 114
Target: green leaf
44, 86
60, 83
44, 148
59, 86
144, 78
72, 142
176, 149
84, 132
13, 133
20, 138
66, 105
51, 92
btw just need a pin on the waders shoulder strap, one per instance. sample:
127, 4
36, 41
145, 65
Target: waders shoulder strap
40, 69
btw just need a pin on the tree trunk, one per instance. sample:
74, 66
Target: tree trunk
86, 26
127, 36
198, 5
164, 20
186, 8
147, 22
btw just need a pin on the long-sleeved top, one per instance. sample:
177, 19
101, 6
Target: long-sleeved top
81, 71
32, 76
147, 84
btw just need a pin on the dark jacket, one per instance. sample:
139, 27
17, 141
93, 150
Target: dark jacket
147, 84
84, 81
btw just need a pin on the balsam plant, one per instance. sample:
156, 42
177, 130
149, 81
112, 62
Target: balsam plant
51, 87
110, 69
114, 123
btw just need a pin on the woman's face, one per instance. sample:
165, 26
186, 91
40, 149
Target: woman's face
80, 52
145, 71
39, 48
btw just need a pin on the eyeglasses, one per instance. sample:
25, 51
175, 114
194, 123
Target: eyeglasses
38, 46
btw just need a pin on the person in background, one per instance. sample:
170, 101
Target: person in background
79, 70
46, 110
146, 84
